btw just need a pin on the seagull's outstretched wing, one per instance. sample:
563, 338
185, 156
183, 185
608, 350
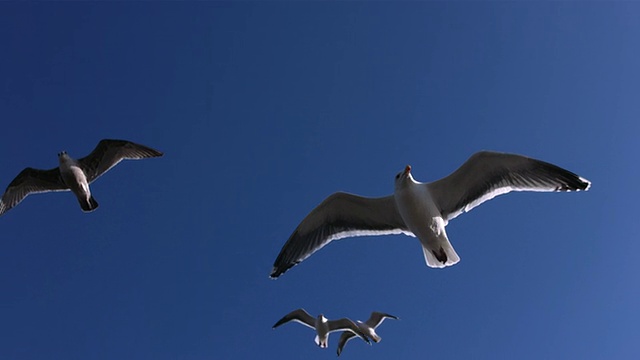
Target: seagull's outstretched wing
108, 153
338, 216
30, 181
345, 324
344, 338
377, 318
488, 174
299, 315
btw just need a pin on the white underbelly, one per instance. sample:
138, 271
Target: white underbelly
75, 179
419, 213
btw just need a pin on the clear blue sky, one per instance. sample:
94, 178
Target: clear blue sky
263, 110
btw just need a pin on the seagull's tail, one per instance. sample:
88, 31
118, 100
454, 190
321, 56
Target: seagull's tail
375, 337
440, 254
323, 343
88, 205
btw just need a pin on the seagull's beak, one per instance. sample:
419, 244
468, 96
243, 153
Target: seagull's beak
407, 169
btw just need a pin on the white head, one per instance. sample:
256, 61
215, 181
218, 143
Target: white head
62, 156
404, 177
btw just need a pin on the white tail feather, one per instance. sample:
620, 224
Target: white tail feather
432, 261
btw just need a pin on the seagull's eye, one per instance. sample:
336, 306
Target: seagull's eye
397, 176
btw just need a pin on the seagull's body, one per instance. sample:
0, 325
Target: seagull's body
75, 179
368, 328
74, 175
322, 326
423, 209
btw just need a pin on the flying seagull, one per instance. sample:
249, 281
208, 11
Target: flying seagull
322, 326
368, 328
423, 209
74, 175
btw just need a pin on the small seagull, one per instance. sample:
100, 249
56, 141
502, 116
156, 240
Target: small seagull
368, 328
74, 175
322, 326
423, 210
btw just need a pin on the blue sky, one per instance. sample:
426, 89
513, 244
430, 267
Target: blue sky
263, 110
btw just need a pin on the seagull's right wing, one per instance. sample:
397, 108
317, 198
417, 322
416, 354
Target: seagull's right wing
30, 181
344, 338
108, 153
299, 315
338, 216
377, 318
488, 174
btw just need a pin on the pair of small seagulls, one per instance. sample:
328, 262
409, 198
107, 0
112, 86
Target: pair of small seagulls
415, 209
323, 327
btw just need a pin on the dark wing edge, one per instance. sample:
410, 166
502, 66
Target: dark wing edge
30, 181
108, 153
338, 216
487, 174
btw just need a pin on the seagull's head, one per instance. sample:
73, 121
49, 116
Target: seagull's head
62, 156
322, 319
403, 177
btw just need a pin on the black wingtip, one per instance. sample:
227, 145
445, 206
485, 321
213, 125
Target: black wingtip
275, 273
280, 322
280, 269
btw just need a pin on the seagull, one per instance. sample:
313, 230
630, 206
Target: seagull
423, 210
368, 328
74, 175
322, 326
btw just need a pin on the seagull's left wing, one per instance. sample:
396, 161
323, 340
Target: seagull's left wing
108, 153
31, 181
298, 315
488, 174
338, 216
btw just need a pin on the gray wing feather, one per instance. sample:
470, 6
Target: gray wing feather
487, 174
108, 153
31, 181
298, 315
338, 216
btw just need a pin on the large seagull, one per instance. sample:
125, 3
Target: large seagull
74, 175
423, 210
